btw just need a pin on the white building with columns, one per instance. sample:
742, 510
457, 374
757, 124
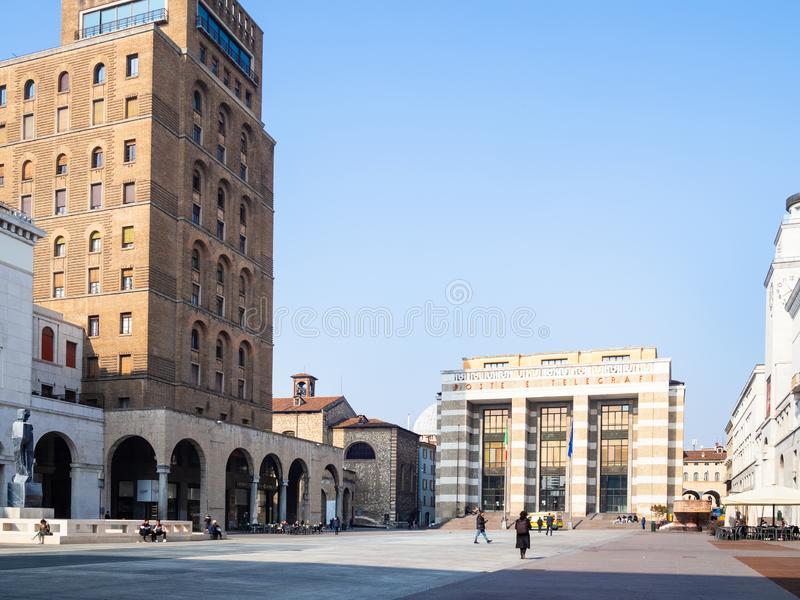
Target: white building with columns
764, 429
40, 370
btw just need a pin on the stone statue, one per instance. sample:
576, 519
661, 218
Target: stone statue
22, 442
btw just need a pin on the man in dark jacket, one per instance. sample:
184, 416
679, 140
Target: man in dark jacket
480, 526
549, 525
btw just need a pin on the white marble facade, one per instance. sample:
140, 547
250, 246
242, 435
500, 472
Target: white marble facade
81, 427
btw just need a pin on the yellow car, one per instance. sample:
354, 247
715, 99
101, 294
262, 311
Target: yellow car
558, 523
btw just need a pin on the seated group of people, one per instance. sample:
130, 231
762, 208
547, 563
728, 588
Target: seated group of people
626, 519
152, 532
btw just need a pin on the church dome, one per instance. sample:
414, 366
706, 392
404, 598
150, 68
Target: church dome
426, 421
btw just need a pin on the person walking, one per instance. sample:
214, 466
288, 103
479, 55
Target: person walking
643, 520
549, 525
480, 528
336, 525
523, 529
539, 523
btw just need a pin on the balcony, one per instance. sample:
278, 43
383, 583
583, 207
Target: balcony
154, 16
232, 51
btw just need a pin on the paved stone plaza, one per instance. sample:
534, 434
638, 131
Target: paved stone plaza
433, 564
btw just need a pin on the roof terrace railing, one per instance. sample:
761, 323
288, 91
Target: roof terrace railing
154, 16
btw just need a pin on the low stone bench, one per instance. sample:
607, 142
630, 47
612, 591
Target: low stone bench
87, 531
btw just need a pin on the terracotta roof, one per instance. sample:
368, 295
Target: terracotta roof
312, 404
705, 455
362, 422
296, 375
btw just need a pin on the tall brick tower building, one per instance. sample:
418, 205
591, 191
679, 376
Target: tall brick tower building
138, 146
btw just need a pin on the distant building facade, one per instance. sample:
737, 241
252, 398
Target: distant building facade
705, 474
505, 425
384, 458
426, 485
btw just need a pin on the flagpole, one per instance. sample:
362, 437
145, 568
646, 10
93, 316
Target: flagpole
569, 473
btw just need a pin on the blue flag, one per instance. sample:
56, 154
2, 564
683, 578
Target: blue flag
571, 432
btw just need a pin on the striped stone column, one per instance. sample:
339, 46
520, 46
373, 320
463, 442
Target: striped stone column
578, 466
518, 442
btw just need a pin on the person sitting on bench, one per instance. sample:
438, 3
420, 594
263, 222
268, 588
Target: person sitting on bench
146, 530
159, 531
42, 529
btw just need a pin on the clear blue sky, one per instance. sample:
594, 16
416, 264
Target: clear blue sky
618, 167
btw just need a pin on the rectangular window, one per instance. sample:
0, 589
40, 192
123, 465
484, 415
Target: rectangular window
70, 395
94, 280
128, 193
241, 389
495, 365
2, 95
93, 329
197, 134
220, 229
98, 112
58, 285
61, 202
221, 154
92, 366
242, 244
237, 88
2, 175
62, 119
195, 294
243, 172
72, 350
123, 402
125, 323
132, 65
196, 214
127, 279
617, 358
195, 374
28, 129
131, 107
219, 382
96, 197
202, 54
2, 132
125, 364
241, 316
226, 77
26, 205
127, 237
549, 362
215, 65
220, 306
130, 151
248, 99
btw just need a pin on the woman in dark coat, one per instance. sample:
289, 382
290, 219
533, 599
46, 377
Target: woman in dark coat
523, 529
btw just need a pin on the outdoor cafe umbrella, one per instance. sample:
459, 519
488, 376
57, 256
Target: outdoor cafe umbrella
769, 495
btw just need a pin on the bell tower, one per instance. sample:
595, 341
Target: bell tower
303, 387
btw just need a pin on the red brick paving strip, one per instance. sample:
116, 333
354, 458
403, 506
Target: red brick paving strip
785, 571
754, 545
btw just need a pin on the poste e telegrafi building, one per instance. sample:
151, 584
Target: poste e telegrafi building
506, 425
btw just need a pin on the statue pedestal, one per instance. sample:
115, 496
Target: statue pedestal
24, 494
7, 512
